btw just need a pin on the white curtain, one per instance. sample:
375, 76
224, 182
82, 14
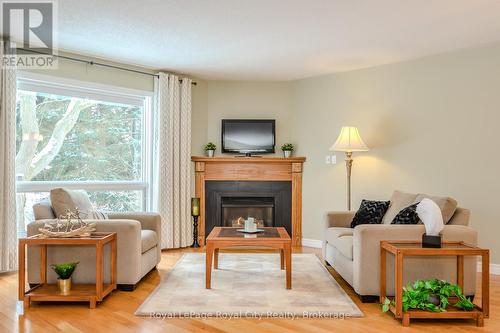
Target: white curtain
8, 225
173, 175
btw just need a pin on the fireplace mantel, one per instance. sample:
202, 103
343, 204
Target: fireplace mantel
226, 168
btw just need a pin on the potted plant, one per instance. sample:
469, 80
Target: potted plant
64, 272
431, 295
210, 149
287, 149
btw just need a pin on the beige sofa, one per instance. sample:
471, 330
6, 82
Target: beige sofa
138, 248
355, 252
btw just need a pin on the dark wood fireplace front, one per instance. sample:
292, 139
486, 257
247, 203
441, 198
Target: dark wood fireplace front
228, 203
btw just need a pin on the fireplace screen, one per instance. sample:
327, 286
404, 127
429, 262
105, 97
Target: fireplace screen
235, 210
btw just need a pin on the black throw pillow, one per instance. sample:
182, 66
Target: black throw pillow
407, 215
370, 212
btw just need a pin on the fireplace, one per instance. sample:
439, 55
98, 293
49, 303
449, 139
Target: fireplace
236, 209
228, 203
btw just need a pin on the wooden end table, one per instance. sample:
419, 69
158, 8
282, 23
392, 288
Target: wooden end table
401, 249
91, 293
223, 237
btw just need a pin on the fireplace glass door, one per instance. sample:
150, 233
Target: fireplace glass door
235, 210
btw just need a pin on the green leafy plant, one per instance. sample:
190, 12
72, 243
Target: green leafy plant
64, 271
287, 147
431, 295
210, 146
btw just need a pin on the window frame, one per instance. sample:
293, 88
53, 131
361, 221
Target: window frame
106, 93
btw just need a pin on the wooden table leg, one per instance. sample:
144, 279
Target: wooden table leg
383, 276
460, 272
113, 262
98, 271
288, 265
398, 287
93, 303
21, 272
282, 259
216, 258
43, 264
485, 284
208, 265
480, 320
406, 319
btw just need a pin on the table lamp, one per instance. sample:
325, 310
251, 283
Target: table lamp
349, 141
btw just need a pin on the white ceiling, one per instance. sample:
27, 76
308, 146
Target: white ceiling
272, 39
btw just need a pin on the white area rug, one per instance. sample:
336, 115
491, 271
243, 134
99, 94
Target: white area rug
249, 285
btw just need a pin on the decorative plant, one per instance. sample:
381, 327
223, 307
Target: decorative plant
210, 146
431, 295
64, 271
287, 147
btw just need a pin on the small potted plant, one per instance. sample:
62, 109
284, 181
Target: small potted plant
210, 149
64, 272
287, 149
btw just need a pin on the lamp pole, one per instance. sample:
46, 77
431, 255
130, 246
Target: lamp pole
348, 165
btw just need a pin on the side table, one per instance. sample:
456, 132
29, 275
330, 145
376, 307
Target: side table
401, 249
91, 293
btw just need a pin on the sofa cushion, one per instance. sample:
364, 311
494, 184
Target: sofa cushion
370, 212
64, 199
446, 204
341, 239
399, 201
332, 234
344, 246
149, 239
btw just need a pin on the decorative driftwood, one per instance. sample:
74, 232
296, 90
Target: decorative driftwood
68, 226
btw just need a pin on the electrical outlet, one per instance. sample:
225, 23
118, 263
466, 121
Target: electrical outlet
333, 159
328, 159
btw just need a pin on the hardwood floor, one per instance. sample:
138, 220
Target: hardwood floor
115, 313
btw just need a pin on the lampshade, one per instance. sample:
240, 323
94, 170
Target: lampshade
349, 140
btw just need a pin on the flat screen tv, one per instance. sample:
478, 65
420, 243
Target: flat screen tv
248, 136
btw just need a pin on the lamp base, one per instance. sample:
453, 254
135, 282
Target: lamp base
431, 241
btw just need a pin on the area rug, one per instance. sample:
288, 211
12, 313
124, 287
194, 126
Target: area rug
249, 285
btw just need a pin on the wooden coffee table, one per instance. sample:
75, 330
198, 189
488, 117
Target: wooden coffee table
222, 237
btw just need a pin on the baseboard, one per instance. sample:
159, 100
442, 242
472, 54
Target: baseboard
494, 268
316, 243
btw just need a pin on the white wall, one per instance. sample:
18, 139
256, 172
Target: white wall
432, 126
260, 100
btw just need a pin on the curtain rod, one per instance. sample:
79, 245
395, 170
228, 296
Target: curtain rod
94, 63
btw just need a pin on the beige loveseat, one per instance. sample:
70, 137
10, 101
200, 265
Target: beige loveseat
355, 252
138, 248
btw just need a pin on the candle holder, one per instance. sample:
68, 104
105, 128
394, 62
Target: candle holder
195, 232
195, 212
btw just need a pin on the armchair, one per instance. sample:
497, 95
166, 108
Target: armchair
138, 248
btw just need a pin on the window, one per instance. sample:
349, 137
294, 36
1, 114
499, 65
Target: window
73, 135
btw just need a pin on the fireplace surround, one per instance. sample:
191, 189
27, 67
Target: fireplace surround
254, 170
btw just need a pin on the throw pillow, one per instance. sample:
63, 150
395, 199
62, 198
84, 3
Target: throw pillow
96, 215
370, 212
399, 200
64, 199
407, 215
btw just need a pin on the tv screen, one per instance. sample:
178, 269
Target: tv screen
248, 136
